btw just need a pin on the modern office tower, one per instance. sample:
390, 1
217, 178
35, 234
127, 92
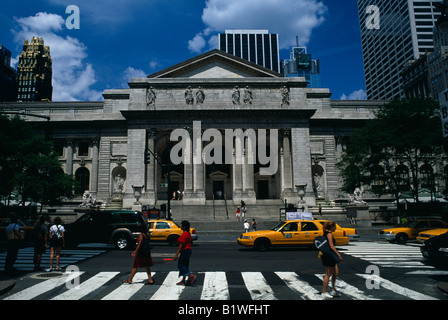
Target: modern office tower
257, 46
34, 72
393, 32
7, 76
301, 64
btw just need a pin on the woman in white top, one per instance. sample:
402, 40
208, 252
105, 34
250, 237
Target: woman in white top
56, 234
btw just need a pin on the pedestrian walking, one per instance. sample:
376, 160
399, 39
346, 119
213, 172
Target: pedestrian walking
352, 220
238, 213
56, 235
183, 255
254, 225
13, 236
243, 211
330, 261
40, 235
246, 226
142, 257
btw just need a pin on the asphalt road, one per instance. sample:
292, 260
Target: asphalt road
370, 270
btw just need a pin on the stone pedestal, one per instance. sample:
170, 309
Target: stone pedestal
360, 213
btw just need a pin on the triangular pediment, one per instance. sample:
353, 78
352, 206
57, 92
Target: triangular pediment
215, 64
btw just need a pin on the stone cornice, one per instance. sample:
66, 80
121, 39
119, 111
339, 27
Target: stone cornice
228, 119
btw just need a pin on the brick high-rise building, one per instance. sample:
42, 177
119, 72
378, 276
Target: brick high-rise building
34, 72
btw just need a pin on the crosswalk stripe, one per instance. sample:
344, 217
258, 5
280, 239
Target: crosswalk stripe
169, 290
257, 286
126, 290
396, 288
304, 289
42, 287
87, 286
348, 289
215, 286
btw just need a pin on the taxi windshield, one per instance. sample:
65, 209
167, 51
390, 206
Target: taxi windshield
277, 227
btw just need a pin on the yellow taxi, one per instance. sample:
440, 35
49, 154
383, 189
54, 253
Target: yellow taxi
289, 233
411, 230
425, 235
167, 231
351, 233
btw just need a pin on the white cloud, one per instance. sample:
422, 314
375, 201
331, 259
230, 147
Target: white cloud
288, 18
130, 73
197, 44
72, 77
355, 95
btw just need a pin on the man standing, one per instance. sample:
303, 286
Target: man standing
14, 236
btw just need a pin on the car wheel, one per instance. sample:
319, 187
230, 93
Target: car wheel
121, 241
172, 240
401, 238
262, 244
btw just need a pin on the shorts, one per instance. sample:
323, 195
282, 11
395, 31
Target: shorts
328, 260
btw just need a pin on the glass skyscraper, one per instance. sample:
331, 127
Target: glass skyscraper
393, 32
257, 46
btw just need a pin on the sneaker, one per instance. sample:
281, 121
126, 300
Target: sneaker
192, 278
181, 283
334, 293
326, 295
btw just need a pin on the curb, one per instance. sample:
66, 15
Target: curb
443, 286
6, 285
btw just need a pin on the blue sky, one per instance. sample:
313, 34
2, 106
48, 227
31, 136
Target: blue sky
120, 39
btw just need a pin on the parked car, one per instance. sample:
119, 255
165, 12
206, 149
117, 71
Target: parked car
436, 248
120, 227
411, 230
168, 231
25, 228
428, 234
289, 233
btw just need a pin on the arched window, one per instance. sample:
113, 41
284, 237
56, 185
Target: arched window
426, 176
377, 178
402, 177
82, 177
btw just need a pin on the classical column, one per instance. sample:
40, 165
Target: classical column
135, 164
288, 189
248, 173
237, 179
301, 161
95, 166
188, 170
151, 167
69, 156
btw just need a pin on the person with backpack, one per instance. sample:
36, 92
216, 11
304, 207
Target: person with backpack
56, 234
40, 242
14, 237
142, 257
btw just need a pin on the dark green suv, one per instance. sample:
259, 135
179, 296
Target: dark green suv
120, 227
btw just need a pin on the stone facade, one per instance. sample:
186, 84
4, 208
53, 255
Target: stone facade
105, 144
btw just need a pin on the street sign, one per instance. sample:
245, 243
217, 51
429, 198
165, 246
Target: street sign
164, 185
443, 101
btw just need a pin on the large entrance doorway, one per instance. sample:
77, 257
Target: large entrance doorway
218, 190
263, 189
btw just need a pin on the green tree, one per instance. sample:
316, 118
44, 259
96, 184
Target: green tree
388, 152
29, 166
